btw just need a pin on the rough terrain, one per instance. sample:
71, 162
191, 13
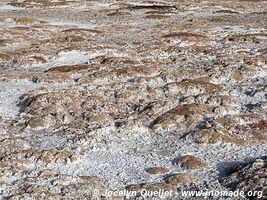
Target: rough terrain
112, 95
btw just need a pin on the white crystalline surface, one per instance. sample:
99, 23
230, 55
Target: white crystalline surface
11, 94
114, 88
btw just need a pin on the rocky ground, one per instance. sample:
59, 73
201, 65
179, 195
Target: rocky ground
112, 95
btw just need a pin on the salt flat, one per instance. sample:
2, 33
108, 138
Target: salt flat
107, 95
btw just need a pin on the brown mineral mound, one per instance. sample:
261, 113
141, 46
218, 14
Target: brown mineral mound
182, 117
186, 36
170, 183
81, 30
52, 108
226, 11
248, 177
66, 69
157, 170
51, 185
42, 4
136, 84
157, 16
191, 162
187, 87
229, 129
182, 179
117, 60
152, 6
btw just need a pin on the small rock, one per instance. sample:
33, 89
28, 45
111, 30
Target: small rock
191, 162
181, 179
157, 170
